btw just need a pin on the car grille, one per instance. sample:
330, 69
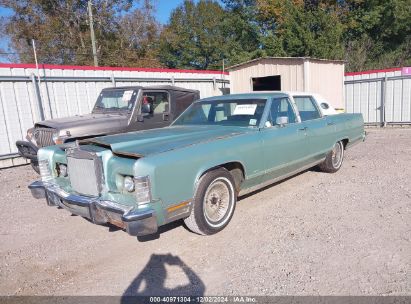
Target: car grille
43, 137
85, 172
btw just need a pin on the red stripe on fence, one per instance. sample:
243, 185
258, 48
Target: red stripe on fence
87, 68
373, 71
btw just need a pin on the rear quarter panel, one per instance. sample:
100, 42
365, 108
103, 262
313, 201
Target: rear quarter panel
348, 126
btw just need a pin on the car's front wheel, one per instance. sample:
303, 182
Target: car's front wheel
334, 158
213, 203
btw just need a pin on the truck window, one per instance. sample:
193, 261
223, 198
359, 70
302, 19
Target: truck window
159, 100
307, 108
115, 99
281, 107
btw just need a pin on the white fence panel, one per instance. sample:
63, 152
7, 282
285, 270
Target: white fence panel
382, 97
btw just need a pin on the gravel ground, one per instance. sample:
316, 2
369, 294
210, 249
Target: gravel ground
346, 233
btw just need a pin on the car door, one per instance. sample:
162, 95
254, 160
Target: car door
284, 146
159, 116
318, 129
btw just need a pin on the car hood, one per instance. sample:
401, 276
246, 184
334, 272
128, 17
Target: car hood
145, 143
88, 124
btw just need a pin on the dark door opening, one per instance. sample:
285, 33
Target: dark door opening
268, 83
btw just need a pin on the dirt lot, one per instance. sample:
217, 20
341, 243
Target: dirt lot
314, 234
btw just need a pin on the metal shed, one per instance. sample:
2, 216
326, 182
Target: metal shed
322, 76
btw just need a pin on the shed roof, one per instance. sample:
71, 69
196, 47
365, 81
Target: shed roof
282, 58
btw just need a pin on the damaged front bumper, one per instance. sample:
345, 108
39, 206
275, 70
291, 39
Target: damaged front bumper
27, 150
136, 223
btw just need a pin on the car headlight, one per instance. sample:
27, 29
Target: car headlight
62, 170
143, 189
128, 184
45, 171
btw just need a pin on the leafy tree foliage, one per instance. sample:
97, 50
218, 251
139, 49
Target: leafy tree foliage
378, 33
367, 34
300, 29
201, 34
62, 33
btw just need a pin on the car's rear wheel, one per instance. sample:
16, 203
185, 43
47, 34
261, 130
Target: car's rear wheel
213, 203
334, 159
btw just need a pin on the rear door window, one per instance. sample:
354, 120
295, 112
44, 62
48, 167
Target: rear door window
307, 108
281, 107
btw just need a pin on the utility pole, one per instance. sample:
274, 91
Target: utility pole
223, 74
93, 38
35, 59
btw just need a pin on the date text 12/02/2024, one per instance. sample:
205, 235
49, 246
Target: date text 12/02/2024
201, 299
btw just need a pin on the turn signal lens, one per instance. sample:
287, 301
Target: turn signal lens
143, 189
45, 171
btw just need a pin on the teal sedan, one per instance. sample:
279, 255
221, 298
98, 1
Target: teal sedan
217, 150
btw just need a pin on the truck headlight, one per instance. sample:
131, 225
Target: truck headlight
57, 139
29, 133
128, 184
143, 189
62, 170
45, 170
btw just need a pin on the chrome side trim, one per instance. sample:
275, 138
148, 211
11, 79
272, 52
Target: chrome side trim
277, 179
172, 214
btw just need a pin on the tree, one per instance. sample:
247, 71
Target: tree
193, 37
380, 31
62, 34
200, 35
301, 29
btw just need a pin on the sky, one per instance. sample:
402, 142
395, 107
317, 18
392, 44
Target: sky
164, 8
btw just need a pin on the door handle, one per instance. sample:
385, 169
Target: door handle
166, 116
303, 129
330, 123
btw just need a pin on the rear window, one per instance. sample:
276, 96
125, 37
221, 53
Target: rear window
307, 108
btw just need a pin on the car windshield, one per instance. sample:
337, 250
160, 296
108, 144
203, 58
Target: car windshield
233, 112
116, 100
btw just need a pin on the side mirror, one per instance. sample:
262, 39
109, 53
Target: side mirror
282, 120
146, 108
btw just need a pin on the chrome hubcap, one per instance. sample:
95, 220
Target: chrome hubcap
337, 155
217, 201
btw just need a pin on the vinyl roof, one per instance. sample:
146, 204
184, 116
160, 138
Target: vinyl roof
152, 87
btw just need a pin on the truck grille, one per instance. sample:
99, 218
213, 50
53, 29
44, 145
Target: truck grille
43, 137
85, 172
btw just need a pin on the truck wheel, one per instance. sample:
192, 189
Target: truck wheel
35, 166
334, 159
213, 204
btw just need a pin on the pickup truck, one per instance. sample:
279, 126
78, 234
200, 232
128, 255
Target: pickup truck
117, 110
219, 149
